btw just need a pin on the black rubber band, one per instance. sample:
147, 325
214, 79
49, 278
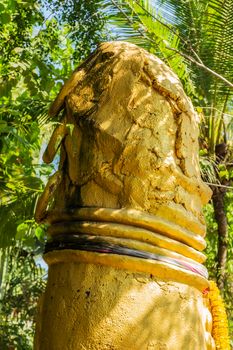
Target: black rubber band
99, 245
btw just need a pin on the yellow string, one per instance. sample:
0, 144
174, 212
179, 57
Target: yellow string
220, 331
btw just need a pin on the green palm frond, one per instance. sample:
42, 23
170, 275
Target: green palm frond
123, 23
208, 169
207, 26
136, 24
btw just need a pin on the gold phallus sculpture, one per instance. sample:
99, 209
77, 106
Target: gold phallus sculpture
126, 227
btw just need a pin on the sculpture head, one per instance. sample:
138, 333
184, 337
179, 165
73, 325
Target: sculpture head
128, 137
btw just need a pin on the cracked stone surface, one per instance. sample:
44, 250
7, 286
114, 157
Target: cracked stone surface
128, 138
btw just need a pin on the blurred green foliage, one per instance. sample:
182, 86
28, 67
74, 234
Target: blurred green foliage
22, 286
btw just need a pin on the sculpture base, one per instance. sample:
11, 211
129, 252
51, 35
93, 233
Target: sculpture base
91, 307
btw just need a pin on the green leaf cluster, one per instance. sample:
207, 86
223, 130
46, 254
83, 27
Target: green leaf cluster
22, 284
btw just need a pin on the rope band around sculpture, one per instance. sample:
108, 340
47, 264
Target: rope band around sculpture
130, 239
95, 244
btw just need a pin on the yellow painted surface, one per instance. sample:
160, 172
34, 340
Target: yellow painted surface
160, 269
129, 170
96, 307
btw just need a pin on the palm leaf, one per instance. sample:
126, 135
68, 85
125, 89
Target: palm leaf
208, 26
185, 32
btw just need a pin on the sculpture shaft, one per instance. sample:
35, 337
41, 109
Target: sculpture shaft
125, 209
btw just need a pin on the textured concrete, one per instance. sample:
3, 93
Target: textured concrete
91, 307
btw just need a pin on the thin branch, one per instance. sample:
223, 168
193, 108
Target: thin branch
216, 185
217, 110
201, 65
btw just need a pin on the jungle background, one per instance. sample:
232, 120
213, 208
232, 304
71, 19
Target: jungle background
41, 42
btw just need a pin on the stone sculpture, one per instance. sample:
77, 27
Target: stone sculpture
125, 211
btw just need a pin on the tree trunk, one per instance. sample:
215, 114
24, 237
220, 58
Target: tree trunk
220, 216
